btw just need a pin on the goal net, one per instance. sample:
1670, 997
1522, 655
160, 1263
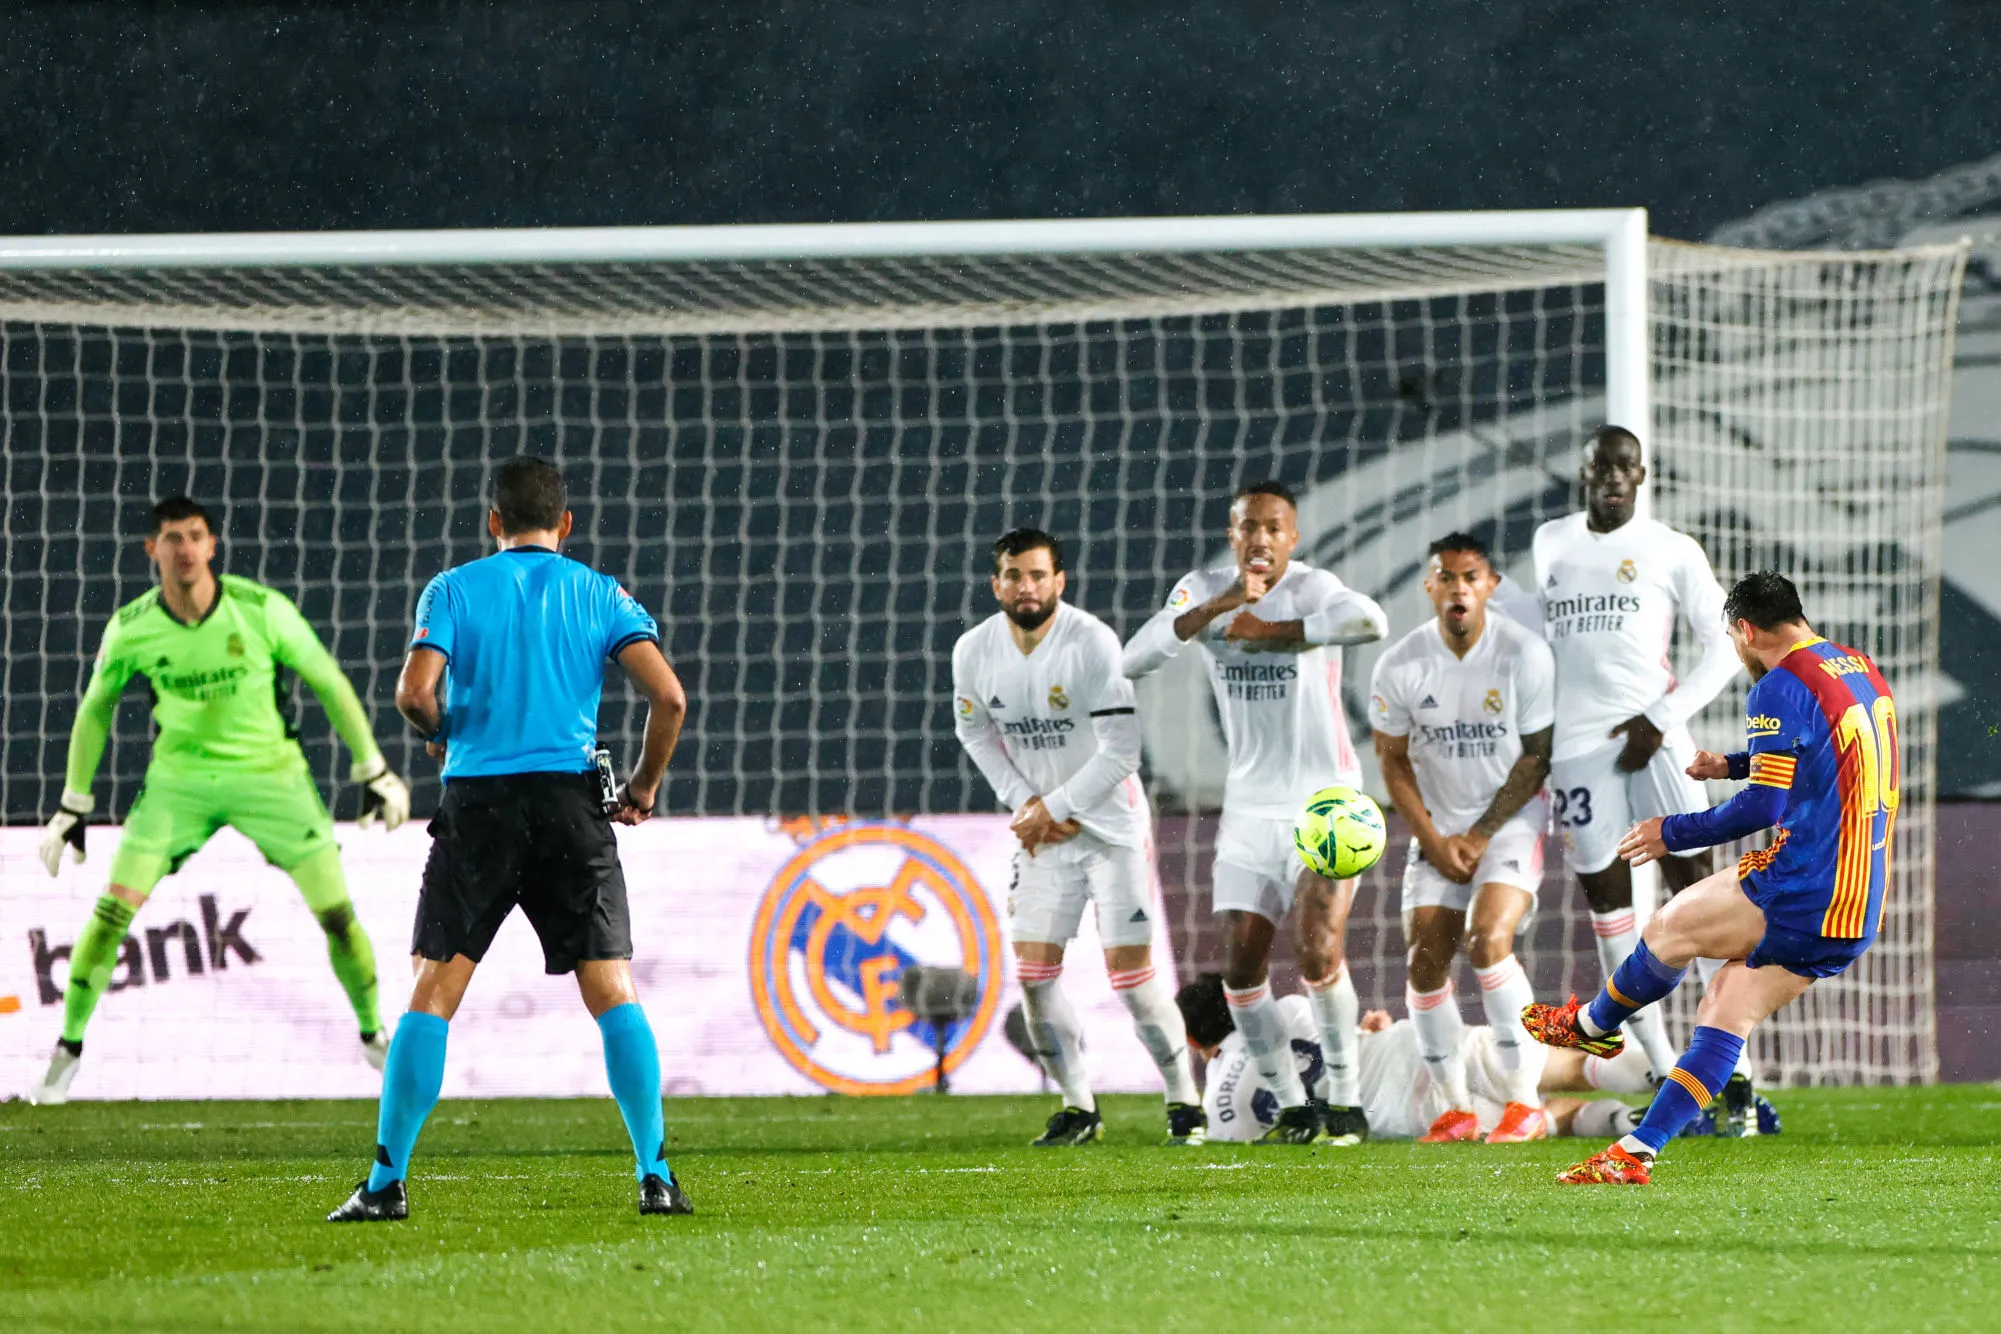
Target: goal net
797, 454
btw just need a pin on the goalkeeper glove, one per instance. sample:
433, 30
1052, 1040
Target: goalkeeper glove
66, 828
387, 795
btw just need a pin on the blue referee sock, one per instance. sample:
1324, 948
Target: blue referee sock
411, 1078
632, 1065
1635, 984
1691, 1086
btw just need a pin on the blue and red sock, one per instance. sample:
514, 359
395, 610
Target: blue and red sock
1634, 985
1691, 1086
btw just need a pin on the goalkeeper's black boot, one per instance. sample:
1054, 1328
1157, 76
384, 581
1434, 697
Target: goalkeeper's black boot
1072, 1125
1345, 1126
373, 1206
1296, 1125
660, 1195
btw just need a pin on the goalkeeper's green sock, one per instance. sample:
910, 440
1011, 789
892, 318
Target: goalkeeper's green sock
320, 881
91, 962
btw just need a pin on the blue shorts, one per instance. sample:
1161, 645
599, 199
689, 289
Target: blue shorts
1806, 954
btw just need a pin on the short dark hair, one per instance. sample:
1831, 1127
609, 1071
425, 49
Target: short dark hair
1021, 541
1765, 598
1463, 542
175, 508
1608, 434
1268, 487
1205, 1010
529, 494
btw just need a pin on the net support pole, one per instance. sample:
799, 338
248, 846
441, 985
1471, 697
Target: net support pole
1628, 352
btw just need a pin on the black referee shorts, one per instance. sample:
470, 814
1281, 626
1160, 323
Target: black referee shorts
538, 840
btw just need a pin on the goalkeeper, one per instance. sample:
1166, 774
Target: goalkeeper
223, 754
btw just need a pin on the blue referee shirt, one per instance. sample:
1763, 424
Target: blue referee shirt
525, 634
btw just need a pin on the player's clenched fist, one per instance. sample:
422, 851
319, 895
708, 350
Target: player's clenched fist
1708, 764
387, 796
66, 828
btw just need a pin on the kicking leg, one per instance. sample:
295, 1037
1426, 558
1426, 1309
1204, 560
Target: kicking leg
1610, 894
324, 888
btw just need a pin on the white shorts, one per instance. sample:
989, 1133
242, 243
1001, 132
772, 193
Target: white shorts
1257, 866
1513, 857
1046, 901
1595, 803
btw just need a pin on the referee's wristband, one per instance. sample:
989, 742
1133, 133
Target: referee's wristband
625, 796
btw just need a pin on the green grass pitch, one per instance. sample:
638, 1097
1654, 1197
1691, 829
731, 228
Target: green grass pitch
1878, 1209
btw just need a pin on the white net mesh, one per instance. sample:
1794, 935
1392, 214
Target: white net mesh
798, 465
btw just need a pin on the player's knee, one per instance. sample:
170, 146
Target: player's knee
338, 920
1488, 945
1240, 974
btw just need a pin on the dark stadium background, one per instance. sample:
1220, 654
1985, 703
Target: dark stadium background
193, 117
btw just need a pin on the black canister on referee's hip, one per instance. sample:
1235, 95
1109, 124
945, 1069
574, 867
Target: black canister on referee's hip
607, 779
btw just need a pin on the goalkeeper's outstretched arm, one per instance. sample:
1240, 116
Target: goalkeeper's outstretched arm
296, 646
87, 738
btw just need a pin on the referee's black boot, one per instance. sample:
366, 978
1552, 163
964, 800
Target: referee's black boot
373, 1206
658, 1195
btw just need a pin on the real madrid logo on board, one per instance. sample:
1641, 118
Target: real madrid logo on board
1057, 699
1493, 703
1628, 572
854, 907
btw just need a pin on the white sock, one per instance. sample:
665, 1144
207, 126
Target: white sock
1604, 1118
1157, 1020
1504, 990
1256, 1016
1337, 1010
1706, 969
1617, 937
1058, 1037
1624, 1073
1435, 1015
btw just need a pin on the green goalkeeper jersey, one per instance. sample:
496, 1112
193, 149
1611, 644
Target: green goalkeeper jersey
215, 684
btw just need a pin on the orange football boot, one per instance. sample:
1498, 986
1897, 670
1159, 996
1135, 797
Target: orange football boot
1519, 1124
1612, 1166
1556, 1026
1454, 1127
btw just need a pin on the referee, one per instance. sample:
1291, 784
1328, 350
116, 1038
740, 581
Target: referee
502, 680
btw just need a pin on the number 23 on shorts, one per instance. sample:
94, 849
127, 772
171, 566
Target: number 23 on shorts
1573, 808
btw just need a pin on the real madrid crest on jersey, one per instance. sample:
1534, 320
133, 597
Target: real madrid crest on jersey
1493, 702
1057, 699
236, 646
1628, 571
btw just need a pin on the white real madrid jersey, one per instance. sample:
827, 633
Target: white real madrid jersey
1465, 717
1281, 708
1609, 602
1059, 723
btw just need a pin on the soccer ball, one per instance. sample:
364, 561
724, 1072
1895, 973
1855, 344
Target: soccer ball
1340, 834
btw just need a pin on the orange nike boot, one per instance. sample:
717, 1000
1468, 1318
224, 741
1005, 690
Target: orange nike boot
1612, 1166
1556, 1026
1454, 1127
1519, 1124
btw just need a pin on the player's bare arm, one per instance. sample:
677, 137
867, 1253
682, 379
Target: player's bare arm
1524, 780
666, 708
1400, 777
419, 697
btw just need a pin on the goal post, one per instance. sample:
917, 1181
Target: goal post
794, 442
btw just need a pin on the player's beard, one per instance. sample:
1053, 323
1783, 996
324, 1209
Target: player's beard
1032, 620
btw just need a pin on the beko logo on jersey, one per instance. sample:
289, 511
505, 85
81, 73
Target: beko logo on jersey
1589, 612
1260, 681
1040, 733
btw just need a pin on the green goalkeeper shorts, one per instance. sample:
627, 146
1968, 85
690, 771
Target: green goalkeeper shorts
178, 811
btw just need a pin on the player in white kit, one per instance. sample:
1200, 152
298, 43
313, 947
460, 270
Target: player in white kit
1397, 1087
1611, 586
1463, 708
1044, 709
1269, 629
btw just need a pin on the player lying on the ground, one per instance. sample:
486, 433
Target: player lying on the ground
1043, 708
1823, 766
1611, 585
1463, 710
1269, 630
502, 679
224, 753
1398, 1089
